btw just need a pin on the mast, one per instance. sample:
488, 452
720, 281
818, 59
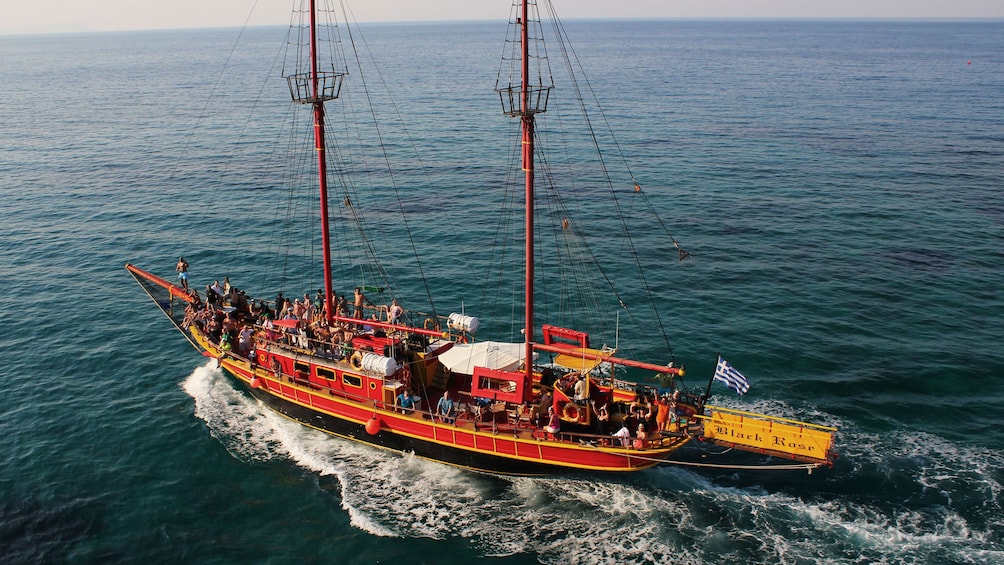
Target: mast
525, 96
310, 85
322, 177
527, 123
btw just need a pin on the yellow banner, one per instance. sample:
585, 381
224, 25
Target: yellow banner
761, 433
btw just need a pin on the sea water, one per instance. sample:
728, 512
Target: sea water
838, 184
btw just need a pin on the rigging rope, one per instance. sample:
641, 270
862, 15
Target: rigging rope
393, 182
570, 57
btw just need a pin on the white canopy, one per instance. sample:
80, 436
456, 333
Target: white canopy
463, 357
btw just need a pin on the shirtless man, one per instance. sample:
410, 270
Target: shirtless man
182, 268
359, 299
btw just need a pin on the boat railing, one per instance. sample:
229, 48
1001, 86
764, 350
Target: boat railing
305, 345
465, 418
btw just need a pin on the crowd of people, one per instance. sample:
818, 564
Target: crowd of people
230, 318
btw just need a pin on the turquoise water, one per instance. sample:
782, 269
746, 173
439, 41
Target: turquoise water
837, 183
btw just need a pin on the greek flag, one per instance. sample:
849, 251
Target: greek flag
731, 377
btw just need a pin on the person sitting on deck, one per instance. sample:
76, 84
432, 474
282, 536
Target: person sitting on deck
446, 410
554, 422
624, 434
335, 342
405, 401
480, 407
539, 410
190, 314
640, 442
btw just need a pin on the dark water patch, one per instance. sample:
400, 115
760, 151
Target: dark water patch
34, 530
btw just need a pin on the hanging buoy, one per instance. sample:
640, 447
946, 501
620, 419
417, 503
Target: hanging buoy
255, 382
373, 426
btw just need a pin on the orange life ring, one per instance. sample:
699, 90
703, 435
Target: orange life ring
570, 411
356, 360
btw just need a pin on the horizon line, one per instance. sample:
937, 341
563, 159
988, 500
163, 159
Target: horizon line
960, 19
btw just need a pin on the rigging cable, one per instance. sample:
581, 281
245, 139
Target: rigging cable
346, 11
569, 57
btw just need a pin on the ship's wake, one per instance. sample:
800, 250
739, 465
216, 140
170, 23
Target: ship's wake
901, 494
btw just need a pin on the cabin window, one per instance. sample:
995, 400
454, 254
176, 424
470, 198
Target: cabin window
352, 380
486, 383
325, 373
299, 367
373, 385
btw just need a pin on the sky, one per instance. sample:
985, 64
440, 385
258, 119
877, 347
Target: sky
56, 16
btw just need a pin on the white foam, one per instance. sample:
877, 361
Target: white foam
231, 416
665, 515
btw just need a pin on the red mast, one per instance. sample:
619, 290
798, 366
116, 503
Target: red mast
309, 85
524, 96
527, 122
318, 102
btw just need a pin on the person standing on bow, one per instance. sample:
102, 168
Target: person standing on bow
182, 268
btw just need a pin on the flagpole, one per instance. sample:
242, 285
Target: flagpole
707, 393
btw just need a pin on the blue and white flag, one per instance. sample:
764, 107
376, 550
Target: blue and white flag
731, 377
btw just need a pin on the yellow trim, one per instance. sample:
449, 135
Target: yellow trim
766, 434
766, 417
652, 453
